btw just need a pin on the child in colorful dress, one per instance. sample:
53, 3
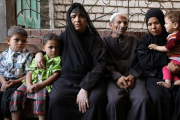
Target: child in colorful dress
13, 66
172, 25
38, 81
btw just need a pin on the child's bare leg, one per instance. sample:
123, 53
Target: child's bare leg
177, 82
166, 84
42, 117
16, 115
7, 118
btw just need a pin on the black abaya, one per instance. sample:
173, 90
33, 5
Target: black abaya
83, 66
152, 62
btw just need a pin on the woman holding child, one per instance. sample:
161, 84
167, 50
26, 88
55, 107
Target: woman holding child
79, 93
166, 101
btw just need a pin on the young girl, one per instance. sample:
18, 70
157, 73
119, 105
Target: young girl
38, 81
172, 25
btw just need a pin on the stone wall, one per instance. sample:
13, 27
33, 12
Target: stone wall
135, 12
44, 10
3, 21
134, 9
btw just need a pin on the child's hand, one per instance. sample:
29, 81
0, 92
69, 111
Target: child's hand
11, 83
29, 89
4, 86
36, 87
152, 46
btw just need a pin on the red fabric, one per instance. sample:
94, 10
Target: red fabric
172, 41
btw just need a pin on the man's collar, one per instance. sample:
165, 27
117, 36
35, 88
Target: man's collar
114, 35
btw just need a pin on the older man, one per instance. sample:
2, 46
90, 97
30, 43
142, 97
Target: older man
127, 96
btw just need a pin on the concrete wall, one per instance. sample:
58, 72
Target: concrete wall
3, 28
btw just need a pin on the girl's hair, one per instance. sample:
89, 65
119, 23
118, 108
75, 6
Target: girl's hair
174, 16
50, 36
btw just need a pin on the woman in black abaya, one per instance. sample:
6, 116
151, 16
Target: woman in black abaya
79, 93
152, 62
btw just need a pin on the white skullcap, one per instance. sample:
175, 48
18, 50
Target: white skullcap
114, 14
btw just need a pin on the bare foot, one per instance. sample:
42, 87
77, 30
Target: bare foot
177, 82
164, 84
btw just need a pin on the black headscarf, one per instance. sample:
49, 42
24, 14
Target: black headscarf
73, 51
152, 61
161, 39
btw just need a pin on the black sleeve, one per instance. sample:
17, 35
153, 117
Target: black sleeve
111, 70
150, 59
136, 69
114, 73
98, 70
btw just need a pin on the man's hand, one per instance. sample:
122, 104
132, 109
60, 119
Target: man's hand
122, 83
131, 82
173, 68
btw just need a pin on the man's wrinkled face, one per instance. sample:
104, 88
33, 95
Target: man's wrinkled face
119, 25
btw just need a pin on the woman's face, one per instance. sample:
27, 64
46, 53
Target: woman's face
79, 22
154, 26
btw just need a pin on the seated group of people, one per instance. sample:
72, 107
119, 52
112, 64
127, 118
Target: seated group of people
88, 77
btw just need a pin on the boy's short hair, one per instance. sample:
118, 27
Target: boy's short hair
17, 30
174, 16
50, 36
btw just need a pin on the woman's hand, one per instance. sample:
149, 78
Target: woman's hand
40, 61
173, 68
82, 100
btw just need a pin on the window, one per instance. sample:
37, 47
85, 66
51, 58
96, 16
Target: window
28, 13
